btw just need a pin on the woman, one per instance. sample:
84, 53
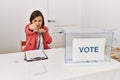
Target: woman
37, 35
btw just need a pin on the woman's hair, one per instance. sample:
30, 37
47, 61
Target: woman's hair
35, 14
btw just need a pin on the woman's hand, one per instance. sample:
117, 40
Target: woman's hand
41, 31
33, 27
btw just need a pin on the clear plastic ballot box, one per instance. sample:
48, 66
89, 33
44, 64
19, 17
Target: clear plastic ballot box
83, 46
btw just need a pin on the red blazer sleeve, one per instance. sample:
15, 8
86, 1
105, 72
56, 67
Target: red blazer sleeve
27, 31
46, 36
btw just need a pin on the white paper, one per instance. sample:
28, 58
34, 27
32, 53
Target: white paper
34, 53
36, 68
95, 48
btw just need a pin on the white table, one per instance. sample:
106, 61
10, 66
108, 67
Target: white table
13, 67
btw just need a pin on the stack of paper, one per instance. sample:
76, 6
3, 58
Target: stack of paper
35, 55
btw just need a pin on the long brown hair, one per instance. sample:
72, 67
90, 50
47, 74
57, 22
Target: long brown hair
35, 14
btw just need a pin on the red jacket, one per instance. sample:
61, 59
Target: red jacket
32, 37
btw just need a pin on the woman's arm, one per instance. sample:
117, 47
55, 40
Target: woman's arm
29, 30
46, 36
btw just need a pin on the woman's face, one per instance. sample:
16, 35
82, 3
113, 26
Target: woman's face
38, 21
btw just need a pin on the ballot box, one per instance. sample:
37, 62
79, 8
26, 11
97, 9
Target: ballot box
88, 47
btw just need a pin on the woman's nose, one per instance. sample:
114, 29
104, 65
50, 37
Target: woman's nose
37, 23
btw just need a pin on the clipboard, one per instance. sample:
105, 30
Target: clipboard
35, 55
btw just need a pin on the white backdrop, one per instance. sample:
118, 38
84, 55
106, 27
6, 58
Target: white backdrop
14, 15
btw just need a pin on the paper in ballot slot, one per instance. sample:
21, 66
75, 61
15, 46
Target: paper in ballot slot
35, 55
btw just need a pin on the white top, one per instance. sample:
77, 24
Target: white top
13, 67
40, 42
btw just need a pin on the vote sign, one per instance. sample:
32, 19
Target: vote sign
88, 49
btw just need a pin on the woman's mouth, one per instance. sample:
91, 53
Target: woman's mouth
38, 25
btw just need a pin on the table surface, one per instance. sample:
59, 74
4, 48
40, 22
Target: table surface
13, 67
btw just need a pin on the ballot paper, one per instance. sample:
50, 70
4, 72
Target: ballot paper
37, 69
35, 55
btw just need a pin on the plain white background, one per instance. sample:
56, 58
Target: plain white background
14, 15
103, 14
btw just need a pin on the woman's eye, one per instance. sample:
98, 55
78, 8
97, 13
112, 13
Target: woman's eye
35, 20
39, 20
